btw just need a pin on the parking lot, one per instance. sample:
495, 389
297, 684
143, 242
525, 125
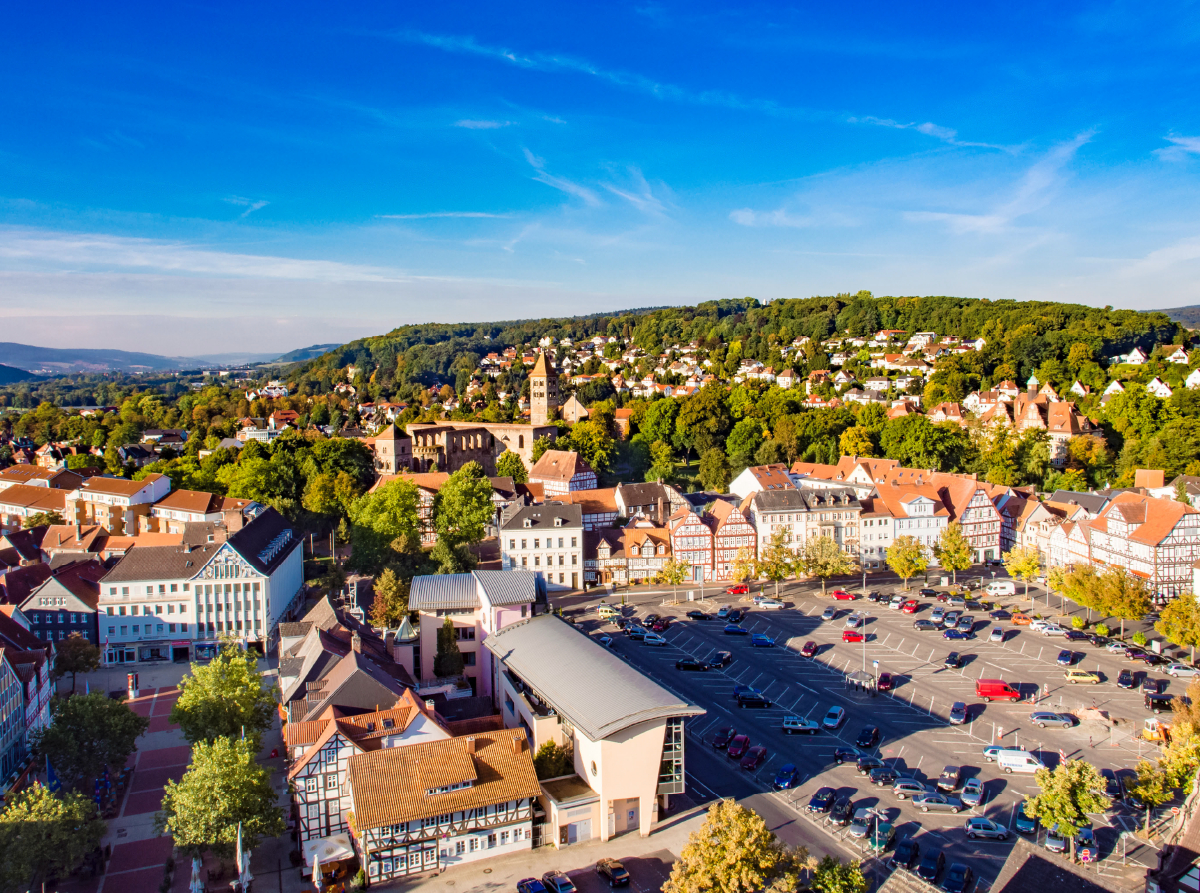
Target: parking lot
917, 738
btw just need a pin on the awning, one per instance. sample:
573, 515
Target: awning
333, 848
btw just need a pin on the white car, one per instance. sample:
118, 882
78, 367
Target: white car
654, 639
1184, 670
770, 604
997, 634
1053, 629
1038, 625
896, 602
833, 718
1116, 647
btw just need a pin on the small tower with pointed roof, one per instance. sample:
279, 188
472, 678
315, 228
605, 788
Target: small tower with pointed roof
543, 391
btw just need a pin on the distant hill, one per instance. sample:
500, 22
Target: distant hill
1189, 316
59, 361
9, 375
305, 353
234, 359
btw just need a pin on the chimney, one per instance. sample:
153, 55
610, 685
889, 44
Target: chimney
356, 643
389, 639
470, 742
78, 530
518, 744
233, 519
661, 510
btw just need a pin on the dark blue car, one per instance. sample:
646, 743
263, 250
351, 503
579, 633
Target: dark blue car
957, 634
732, 629
787, 777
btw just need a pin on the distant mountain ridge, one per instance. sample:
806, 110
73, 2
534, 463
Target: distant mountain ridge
9, 375
305, 353
1189, 316
65, 361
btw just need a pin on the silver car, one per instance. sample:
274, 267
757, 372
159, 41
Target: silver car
864, 821
972, 793
997, 634
981, 827
1043, 718
908, 787
937, 803
829, 613
958, 713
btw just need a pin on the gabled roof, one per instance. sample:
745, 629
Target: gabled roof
1155, 518
36, 499
595, 690
559, 465
1031, 868
117, 486
17, 584
593, 502
355, 681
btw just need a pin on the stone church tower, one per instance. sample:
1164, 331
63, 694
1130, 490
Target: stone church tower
543, 391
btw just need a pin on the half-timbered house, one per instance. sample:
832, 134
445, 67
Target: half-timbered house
692, 541
731, 534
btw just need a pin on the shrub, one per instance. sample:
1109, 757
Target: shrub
1103, 630
360, 881
1139, 638
1078, 622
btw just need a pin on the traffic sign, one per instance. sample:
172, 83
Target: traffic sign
1085, 856
1174, 810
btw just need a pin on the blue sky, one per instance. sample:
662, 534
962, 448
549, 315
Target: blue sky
191, 179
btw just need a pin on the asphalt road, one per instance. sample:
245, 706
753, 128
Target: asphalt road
916, 736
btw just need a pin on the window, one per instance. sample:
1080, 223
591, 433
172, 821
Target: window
122, 609
537, 544
537, 560
491, 839
331, 782
573, 542
560, 542
124, 630
158, 609
310, 784
523, 544
512, 544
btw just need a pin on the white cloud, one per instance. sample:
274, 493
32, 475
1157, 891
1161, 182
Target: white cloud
778, 217
432, 214
937, 131
638, 193
1162, 259
1181, 148
249, 204
471, 124
561, 183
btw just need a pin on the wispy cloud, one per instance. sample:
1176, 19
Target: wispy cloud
249, 204
779, 217
638, 193
432, 214
471, 124
1162, 259
1181, 147
561, 183
937, 131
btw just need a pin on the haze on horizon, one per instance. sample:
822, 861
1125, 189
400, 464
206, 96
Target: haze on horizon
200, 179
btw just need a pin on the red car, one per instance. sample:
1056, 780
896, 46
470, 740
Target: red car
739, 589
885, 682
852, 635
661, 625
809, 649
843, 596
910, 606
738, 746
754, 757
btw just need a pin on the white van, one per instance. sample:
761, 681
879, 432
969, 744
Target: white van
1001, 587
1018, 761
607, 612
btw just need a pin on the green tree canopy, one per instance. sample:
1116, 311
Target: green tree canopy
777, 561
224, 697
1179, 622
449, 660
88, 734
907, 557
463, 507
1124, 595
391, 600
1066, 795
1023, 563
44, 836
75, 655
953, 551
715, 473
383, 523
510, 465
823, 558
222, 787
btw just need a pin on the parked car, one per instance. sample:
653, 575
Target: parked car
924, 625
958, 878
906, 853
723, 736
822, 800
965, 624
770, 604
957, 635
606, 641
863, 822
723, 611
1112, 785
613, 872
732, 629
1076, 675
1074, 635
842, 595
754, 757
978, 826
1125, 679
882, 836
973, 792
530, 885
868, 737
720, 659
1000, 614
738, 589
1098, 640
853, 620
908, 787
637, 633
910, 607
1150, 685
842, 811
1055, 842
1086, 849
833, 718
937, 803
557, 882
931, 866
692, 664
845, 755
650, 619
1115, 646
762, 640
1065, 658
928, 593
883, 776
739, 689
786, 778
738, 746
997, 634
867, 764
736, 616
809, 649
949, 779
654, 639
958, 713
1043, 718
938, 615
1184, 671
829, 613
1019, 619
1024, 823
852, 635
753, 700
1158, 703
884, 682
793, 725
697, 615
661, 625
953, 661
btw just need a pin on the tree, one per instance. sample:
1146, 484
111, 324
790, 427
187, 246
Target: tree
88, 734
778, 561
856, 441
224, 786
510, 465
715, 473
1179, 622
42, 519
821, 557
907, 557
1066, 795
382, 522
44, 835
1124, 595
1023, 563
463, 507
1081, 584
553, 761
734, 851
953, 551
75, 654
391, 600
832, 876
1152, 786
224, 698
673, 572
662, 467
540, 446
453, 559
745, 564
449, 660
593, 442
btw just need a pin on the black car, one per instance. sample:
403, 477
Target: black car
928, 593
868, 737
931, 866
958, 879
1000, 614
1125, 679
723, 736
906, 853
874, 596
720, 659
735, 616
842, 811
1158, 703
1151, 659
1150, 685
883, 776
1112, 787
637, 633
846, 755
953, 661
822, 800
649, 619
866, 765
753, 700
613, 871
1098, 640
697, 615
1075, 635
690, 663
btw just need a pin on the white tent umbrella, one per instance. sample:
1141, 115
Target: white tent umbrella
196, 885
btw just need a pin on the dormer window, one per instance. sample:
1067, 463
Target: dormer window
558, 522
528, 523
